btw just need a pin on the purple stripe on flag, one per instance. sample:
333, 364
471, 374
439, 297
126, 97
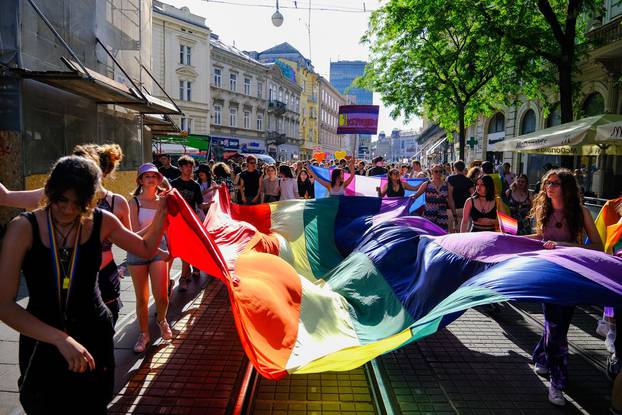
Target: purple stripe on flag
597, 266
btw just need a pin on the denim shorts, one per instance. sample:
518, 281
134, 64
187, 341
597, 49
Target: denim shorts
136, 260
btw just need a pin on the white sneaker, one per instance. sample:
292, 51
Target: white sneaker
141, 343
556, 396
610, 341
541, 370
602, 328
165, 330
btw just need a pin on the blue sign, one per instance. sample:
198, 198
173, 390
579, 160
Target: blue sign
227, 143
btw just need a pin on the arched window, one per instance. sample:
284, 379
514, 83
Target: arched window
555, 117
594, 104
497, 124
528, 123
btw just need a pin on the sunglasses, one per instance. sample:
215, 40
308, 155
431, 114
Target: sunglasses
552, 184
251, 162
437, 171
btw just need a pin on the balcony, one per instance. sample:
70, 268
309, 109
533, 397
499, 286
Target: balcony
277, 107
607, 33
274, 137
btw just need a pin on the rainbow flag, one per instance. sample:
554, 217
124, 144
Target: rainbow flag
329, 284
608, 224
507, 224
365, 186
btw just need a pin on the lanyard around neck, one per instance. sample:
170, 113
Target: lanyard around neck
63, 282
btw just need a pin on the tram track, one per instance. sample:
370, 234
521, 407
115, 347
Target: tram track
383, 398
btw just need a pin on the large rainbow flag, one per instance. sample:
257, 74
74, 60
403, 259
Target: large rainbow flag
329, 284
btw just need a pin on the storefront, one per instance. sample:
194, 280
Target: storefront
579, 140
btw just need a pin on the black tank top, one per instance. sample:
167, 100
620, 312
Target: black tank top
84, 302
393, 193
477, 215
104, 205
45, 380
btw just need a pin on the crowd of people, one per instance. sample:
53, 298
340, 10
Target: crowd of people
63, 248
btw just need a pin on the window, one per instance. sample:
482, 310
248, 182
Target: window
247, 86
185, 90
185, 55
259, 89
594, 104
233, 81
217, 114
497, 124
528, 123
555, 117
233, 117
247, 119
186, 124
259, 122
217, 77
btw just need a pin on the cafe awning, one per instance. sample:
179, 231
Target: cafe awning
103, 90
609, 133
200, 142
573, 138
91, 84
160, 124
436, 146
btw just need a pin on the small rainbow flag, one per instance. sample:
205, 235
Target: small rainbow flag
507, 224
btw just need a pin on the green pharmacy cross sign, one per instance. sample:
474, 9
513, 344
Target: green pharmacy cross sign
472, 142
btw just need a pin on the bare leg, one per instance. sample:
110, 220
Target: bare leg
141, 289
158, 273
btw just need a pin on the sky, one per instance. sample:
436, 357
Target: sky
334, 35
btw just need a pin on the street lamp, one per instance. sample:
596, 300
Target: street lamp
277, 17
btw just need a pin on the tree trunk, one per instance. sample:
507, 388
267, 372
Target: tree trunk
564, 71
461, 132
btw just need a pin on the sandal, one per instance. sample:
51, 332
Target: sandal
141, 343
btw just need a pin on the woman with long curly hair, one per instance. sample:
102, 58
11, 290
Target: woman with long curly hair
561, 220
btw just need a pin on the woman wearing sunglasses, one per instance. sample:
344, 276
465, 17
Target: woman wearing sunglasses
561, 220
437, 197
519, 201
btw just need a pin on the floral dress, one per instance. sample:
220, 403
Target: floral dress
436, 204
519, 210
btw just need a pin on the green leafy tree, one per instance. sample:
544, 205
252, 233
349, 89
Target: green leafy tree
547, 37
437, 58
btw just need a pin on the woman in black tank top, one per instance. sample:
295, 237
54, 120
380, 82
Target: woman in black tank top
66, 350
481, 208
395, 187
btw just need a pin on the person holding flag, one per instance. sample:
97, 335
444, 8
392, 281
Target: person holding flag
338, 183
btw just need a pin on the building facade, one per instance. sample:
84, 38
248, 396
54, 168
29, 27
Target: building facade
181, 63
342, 74
239, 93
328, 120
283, 115
308, 81
95, 90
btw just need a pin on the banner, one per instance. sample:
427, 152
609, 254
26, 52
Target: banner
358, 119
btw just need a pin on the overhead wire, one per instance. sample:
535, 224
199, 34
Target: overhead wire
296, 5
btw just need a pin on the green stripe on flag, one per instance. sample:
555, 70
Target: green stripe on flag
319, 219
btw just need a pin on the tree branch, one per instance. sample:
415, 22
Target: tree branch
549, 15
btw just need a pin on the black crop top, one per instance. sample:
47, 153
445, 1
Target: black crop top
477, 215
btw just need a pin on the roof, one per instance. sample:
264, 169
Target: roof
217, 43
281, 48
182, 14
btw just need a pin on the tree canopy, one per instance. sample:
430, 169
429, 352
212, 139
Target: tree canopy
436, 58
